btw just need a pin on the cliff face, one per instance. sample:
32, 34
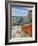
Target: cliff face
27, 28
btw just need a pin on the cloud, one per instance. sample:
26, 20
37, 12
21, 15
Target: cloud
19, 11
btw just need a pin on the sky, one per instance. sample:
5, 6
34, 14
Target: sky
19, 11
